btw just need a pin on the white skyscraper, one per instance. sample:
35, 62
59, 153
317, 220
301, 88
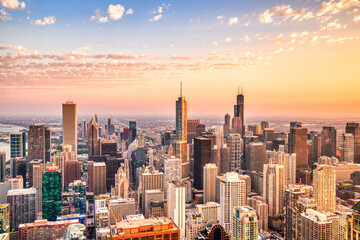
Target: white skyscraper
232, 194
289, 162
273, 188
172, 169
235, 143
210, 173
176, 204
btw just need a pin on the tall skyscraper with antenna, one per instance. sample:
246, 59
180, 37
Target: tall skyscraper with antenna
69, 113
239, 109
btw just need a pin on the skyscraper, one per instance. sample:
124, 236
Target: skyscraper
4, 218
2, 166
172, 171
328, 144
354, 128
17, 144
72, 172
324, 180
132, 131
273, 188
210, 172
298, 144
191, 129
176, 204
255, 156
18, 166
235, 143
69, 124
93, 138
121, 188
39, 142
239, 110
224, 159
227, 124
232, 194
97, 177
51, 193
348, 147
245, 224
202, 155
151, 181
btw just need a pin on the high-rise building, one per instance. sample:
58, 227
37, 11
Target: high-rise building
317, 225
176, 204
10, 184
239, 110
120, 208
18, 166
262, 211
202, 156
298, 144
316, 146
152, 196
324, 180
172, 171
69, 124
348, 147
2, 166
245, 224
121, 188
213, 231
132, 131
328, 142
93, 138
210, 171
235, 143
17, 144
193, 225
273, 188
22, 206
237, 125
354, 128
292, 195
352, 230
51, 193
227, 124
37, 172
232, 194
4, 218
224, 159
151, 181
39, 141
72, 172
44, 229
289, 162
255, 156
191, 129
97, 177
110, 126
161, 228
181, 118
209, 211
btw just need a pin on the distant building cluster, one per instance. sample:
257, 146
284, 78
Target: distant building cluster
110, 179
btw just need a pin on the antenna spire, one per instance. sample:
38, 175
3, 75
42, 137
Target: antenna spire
181, 89
242, 90
238, 89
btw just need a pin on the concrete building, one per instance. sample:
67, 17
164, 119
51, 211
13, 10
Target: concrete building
224, 159
69, 124
235, 144
354, 128
152, 196
176, 205
298, 144
273, 188
18, 166
151, 181
121, 188
2, 166
39, 141
262, 211
22, 206
288, 160
255, 156
328, 141
72, 172
245, 224
97, 177
172, 170
202, 156
210, 171
93, 138
348, 147
10, 184
193, 225
4, 218
209, 211
120, 208
232, 194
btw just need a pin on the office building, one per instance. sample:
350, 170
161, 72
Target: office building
2, 166
298, 144
224, 159
97, 177
132, 131
157, 209
44, 229
273, 188
151, 181
232, 194
210, 172
209, 211
245, 224
17, 144
76, 231
51, 193
235, 143
93, 138
152, 196
289, 162
37, 172
4, 218
348, 147
172, 171
193, 225
120, 208
262, 211
72, 172
202, 156
18, 166
10, 184
239, 111
255, 156
69, 124
191, 129
176, 205
354, 128
324, 180
22, 206
328, 141
161, 227
121, 188
227, 124
213, 231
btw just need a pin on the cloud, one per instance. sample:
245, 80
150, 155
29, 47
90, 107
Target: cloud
4, 16
333, 7
160, 9
155, 18
229, 39
356, 18
233, 20
129, 11
220, 17
335, 25
98, 17
13, 4
116, 11
45, 21
284, 12
246, 38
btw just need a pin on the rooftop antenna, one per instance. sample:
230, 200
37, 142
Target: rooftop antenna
181, 89
242, 90
238, 89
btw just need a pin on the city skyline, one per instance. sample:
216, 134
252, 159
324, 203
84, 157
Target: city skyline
293, 58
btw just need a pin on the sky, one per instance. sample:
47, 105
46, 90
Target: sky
296, 58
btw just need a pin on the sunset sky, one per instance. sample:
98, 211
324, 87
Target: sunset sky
293, 58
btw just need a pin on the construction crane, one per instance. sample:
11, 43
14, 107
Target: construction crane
72, 209
116, 219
